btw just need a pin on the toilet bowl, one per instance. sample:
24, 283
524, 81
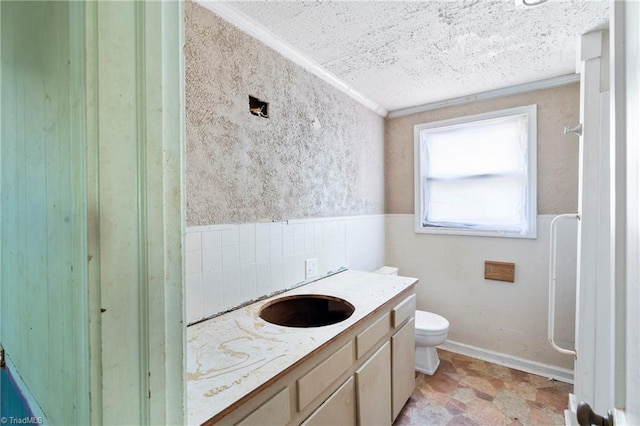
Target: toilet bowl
430, 331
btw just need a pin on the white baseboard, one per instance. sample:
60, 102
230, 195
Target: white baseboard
528, 366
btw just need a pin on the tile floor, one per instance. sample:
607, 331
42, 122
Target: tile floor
467, 391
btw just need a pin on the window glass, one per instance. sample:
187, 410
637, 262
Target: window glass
477, 174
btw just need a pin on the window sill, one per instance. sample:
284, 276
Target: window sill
419, 229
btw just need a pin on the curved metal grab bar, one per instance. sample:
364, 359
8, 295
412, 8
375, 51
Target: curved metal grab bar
552, 282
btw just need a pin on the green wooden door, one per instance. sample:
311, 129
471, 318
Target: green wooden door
43, 293
91, 215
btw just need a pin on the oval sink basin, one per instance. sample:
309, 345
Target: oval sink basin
306, 311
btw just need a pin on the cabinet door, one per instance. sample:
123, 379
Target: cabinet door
339, 409
403, 363
373, 384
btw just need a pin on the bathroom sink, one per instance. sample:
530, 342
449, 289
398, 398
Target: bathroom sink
306, 310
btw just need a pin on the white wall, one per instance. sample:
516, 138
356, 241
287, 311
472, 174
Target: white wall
494, 316
229, 265
250, 170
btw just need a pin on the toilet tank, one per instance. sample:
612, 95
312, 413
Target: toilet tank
387, 270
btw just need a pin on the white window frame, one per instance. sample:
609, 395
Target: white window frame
531, 197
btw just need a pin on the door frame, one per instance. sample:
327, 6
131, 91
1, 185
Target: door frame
625, 193
135, 165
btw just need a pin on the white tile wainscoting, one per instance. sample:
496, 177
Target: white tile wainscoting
229, 265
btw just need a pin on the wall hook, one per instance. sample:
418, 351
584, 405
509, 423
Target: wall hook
576, 130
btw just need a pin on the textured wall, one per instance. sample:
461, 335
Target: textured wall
242, 168
557, 152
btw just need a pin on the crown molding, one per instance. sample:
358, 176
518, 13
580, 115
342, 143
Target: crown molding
490, 94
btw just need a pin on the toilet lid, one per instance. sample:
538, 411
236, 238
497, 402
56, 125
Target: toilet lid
428, 321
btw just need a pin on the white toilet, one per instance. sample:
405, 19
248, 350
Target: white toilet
431, 331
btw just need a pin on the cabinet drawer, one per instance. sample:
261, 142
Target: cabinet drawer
276, 411
320, 378
339, 409
372, 335
403, 311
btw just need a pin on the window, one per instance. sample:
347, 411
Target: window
476, 175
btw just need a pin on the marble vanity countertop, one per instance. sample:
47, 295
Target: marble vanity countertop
232, 355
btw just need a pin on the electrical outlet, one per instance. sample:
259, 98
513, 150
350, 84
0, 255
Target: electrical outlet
311, 268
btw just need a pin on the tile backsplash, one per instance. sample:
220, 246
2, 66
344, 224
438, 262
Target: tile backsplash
229, 265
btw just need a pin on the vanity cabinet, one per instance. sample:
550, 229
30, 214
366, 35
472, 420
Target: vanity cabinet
363, 377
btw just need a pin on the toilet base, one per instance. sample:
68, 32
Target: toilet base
427, 360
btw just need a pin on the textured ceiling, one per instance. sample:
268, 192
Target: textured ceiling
403, 54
